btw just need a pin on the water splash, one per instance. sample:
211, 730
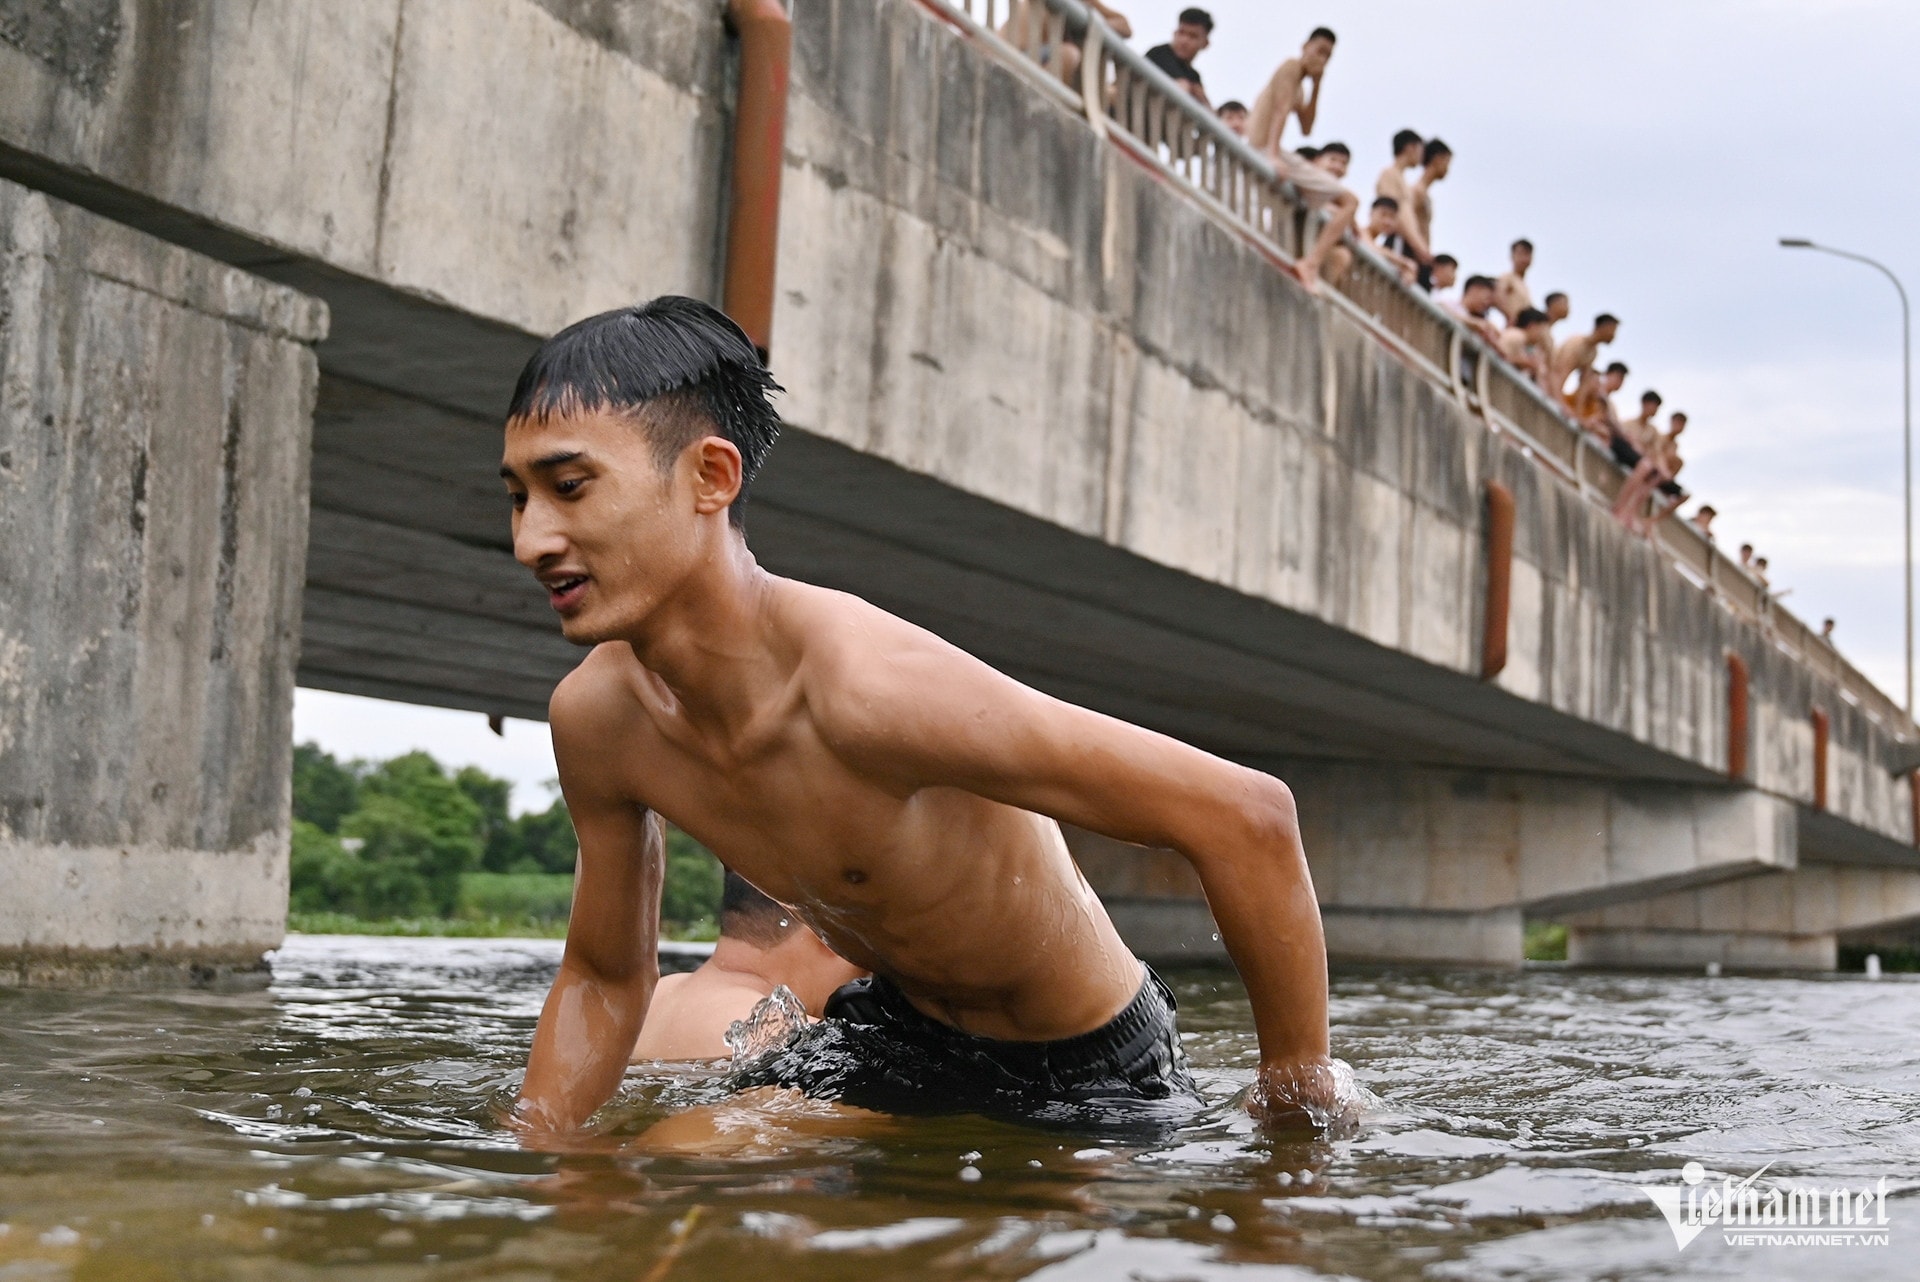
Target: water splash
769, 1026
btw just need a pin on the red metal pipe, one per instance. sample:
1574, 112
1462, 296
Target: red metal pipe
1822, 731
1736, 716
1493, 639
759, 154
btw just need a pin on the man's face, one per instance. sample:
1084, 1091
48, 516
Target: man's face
1334, 162
1408, 156
1522, 259
1614, 380
1606, 333
1648, 409
1676, 425
1438, 166
604, 529
1558, 309
1444, 275
1315, 55
1477, 299
1188, 40
1538, 332
1235, 120
1379, 222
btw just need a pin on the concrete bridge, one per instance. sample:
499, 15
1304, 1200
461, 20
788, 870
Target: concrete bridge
269, 274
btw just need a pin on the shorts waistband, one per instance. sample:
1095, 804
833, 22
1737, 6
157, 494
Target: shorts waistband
1144, 1019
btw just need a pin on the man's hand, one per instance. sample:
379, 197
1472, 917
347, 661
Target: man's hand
1317, 1094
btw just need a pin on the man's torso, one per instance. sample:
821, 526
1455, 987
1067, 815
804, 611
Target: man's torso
1279, 100
973, 908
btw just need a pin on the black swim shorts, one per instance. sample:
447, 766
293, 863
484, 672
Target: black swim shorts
1624, 453
875, 1050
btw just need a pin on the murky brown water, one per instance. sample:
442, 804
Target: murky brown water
340, 1126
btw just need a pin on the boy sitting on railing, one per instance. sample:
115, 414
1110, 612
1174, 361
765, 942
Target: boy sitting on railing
1289, 94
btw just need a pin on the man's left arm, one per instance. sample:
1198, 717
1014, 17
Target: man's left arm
1310, 109
947, 719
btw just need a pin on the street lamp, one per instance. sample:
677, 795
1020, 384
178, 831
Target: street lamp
1906, 366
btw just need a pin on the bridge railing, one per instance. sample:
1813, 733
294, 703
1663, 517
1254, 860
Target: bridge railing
1141, 108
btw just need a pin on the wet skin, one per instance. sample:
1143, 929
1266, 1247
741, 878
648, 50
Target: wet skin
898, 794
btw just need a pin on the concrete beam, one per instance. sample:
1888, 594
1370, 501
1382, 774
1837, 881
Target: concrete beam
153, 523
1403, 839
1610, 949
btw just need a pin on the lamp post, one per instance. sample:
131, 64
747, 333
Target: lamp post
1906, 392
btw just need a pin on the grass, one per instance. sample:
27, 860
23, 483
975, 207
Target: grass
702, 931
1546, 942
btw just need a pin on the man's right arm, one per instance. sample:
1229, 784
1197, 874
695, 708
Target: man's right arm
607, 973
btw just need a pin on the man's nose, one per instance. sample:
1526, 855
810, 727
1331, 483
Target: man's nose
537, 536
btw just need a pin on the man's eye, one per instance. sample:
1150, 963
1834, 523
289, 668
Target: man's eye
519, 501
568, 487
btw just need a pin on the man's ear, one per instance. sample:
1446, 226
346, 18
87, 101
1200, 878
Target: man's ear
717, 474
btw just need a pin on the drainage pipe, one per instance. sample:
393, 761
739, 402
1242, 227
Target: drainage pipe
759, 142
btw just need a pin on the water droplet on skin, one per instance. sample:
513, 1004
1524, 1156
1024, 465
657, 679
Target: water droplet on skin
970, 1157
1283, 1179
970, 1174
783, 923
1216, 936
1193, 1213
1306, 1177
1221, 1224
1033, 1161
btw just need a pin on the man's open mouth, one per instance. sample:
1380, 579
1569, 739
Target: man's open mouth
565, 594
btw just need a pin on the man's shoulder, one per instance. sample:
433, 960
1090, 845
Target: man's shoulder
599, 692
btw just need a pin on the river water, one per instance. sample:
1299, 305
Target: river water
341, 1126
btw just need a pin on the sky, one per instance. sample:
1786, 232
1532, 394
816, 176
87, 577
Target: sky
1654, 153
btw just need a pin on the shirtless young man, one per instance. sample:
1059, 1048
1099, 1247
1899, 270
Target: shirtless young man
1510, 293
1408, 149
896, 793
1576, 355
1525, 344
761, 947
1025, 27
1287, 95
1438, 162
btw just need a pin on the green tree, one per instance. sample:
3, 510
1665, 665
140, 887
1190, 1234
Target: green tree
544, 840
324, 790
499, 843
325, 876
693, 884
419, 832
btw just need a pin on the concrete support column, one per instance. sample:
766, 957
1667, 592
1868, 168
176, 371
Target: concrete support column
155, 420
1695, 949
1776, 921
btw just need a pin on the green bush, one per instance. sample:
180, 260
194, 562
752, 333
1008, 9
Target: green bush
516, 896
405, 842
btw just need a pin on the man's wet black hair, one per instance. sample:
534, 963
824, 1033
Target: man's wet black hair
1522, 243
1620, 368
1446, 259
682, 367
1407, 138
1529, 316
1477, 282
1653, 396
1196, 18
1556, 294
748, 915
1434, 150
1323, 33
1605, 318
1337, 149
1231, 104
1387, 203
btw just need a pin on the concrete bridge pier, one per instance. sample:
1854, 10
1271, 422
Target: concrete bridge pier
1424, 865
1778, 921
155, 415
